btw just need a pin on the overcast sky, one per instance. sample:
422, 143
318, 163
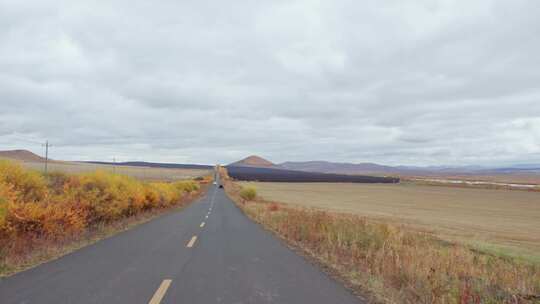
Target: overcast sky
396, 82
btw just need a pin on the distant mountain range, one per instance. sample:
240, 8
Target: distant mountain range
340, 168
256, 168
372, 168
320, 166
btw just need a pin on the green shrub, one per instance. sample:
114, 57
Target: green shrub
248, 193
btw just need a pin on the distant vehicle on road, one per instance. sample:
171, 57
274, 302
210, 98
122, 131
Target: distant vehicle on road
221, 186
215, 183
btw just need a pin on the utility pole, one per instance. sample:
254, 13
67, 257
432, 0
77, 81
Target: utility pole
114, 165
46, 155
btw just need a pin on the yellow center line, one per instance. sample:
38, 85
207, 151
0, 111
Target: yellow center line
192, 242
160, 292
202, 224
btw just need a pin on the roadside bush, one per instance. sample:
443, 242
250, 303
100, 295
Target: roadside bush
168, 194
29, 186
248, 193
33, 221
6, 196
35, 209
56, 182
186, 186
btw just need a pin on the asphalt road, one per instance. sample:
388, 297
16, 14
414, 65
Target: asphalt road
178, 259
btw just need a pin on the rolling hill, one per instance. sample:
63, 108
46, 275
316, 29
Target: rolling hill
253, 161
22, 155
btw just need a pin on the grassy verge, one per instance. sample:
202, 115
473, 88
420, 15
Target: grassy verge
392, 264
42, 218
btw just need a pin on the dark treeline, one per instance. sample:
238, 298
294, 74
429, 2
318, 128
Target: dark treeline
279, 175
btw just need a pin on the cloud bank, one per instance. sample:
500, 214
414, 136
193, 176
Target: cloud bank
416, 82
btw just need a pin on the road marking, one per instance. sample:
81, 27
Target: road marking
206, 216
192, 241
202, 224
160, 292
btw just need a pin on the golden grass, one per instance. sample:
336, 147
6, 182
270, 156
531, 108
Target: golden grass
500, 221
391, 263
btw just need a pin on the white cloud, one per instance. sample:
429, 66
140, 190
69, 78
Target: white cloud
418, 82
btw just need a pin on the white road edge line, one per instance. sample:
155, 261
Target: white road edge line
192, 241
160, 292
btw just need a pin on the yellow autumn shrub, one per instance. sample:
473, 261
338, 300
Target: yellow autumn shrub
39, 220
34, 207
7, 196
28, 185
168, 194
248, 193
186, 186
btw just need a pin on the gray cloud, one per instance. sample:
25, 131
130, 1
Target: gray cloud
421, 82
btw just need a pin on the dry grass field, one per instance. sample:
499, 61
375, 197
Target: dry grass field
498, 221
144, 173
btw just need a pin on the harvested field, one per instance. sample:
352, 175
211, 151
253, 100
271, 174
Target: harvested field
499, 221
145, 173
